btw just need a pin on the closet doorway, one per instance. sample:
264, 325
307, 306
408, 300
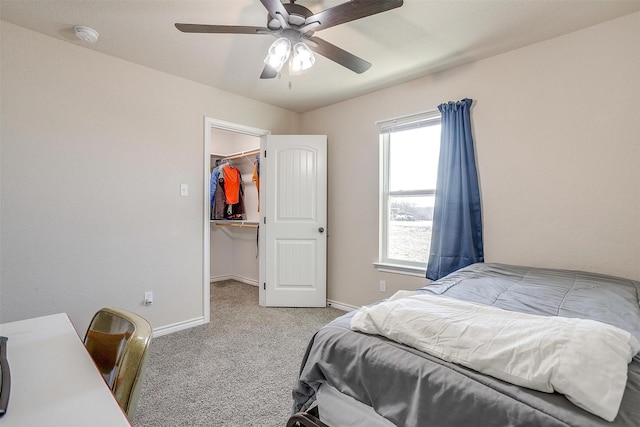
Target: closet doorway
231, 237
289, 239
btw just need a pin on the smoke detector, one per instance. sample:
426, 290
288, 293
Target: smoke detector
87, 34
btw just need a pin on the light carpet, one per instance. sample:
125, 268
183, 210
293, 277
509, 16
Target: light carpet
238, 370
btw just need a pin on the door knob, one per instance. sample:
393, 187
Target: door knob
321, 230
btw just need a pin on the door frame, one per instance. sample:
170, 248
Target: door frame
209, 124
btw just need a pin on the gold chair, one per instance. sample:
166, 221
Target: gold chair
118, 341
303, 419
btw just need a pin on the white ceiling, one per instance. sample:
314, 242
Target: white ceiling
417, 39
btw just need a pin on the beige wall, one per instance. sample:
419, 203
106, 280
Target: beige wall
94, 150
558, 148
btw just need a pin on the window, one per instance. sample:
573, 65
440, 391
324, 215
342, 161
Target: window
410, 149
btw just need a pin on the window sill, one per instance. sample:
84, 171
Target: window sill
401, 269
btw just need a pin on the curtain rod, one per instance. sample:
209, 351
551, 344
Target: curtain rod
410, 116
404, 120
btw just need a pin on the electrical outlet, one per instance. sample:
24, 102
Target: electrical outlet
383, 286
148, 298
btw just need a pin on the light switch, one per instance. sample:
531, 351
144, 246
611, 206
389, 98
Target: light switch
184, 189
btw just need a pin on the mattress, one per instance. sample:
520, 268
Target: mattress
411, 388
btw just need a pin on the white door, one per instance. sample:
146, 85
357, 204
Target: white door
295, 218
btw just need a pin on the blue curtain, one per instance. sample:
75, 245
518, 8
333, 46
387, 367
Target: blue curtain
456, 239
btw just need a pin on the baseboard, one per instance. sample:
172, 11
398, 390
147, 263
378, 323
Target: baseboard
180, 326
198, 321
341, 306
246, 280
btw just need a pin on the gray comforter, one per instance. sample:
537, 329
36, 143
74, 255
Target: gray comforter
411, 388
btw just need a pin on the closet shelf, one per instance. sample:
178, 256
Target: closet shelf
235, 223
238, 155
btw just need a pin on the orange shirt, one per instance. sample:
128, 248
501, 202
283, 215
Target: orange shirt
256, 179
232, 184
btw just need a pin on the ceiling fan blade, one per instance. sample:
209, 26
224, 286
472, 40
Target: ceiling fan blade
350, 11
337, 55
275, 7
268, 73
233, 29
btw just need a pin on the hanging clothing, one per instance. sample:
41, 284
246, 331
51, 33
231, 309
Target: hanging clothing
228, 194
219, 199
236, 210
256, 178
213, 181
232, 179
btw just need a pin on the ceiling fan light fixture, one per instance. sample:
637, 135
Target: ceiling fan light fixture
302, 59
278, 53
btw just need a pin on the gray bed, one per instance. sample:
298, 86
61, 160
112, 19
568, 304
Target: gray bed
411, 388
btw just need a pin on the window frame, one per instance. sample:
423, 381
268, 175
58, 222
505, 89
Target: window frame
385, 264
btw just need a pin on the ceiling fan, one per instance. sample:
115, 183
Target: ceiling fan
294, 25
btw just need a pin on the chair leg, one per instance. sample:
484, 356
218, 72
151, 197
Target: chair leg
302, 419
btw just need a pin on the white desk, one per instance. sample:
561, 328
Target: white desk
54, 381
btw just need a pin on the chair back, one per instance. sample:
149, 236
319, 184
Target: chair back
118, 341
